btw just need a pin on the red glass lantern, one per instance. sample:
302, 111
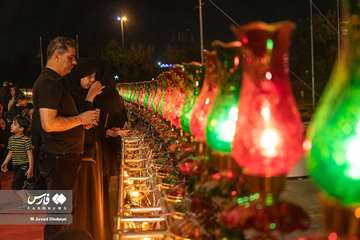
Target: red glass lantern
169, 96
151, 95
206, 98
269, 133
142, 94
179, 95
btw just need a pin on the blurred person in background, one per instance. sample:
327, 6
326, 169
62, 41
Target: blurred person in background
14, 92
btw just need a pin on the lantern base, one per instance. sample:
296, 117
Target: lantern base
200, 148
223, 163
344, 221
266, 185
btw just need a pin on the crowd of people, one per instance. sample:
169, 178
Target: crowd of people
15, 117
68, 138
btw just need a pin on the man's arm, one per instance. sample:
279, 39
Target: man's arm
51, 122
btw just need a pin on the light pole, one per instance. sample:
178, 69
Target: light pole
312, 55
201, 32
122, 20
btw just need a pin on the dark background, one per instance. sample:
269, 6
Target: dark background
155, 22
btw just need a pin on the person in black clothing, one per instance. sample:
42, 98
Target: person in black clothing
80, 82
83, 87
4, 137
4, 97
14, 92
57, 119
113, 116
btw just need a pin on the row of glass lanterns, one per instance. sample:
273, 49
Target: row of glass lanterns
240, 103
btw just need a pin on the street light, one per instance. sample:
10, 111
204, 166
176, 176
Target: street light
122, 20
201, 32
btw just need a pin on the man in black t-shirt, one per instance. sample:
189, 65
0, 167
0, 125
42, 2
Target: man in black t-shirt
59, 123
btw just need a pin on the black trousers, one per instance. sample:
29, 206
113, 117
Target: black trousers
19, 176
59, 172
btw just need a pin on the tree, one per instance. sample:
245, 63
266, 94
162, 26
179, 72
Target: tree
176, 53
136, 63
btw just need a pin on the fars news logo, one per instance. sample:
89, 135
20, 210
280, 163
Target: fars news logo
48, 202
44, 199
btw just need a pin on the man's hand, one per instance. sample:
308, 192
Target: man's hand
123, 132
29, 173
94, 90
110, 133
89, 117
87, 127
114, 132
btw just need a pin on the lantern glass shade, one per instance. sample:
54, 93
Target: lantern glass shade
153, 99
179, 95
137, 93
146, 94
269, 133
167, 96
151, 95
142, 94
221, 123
206, 98
333, 141
160, 106
158, 95
194, 78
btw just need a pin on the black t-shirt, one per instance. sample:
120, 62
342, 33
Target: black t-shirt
49, 92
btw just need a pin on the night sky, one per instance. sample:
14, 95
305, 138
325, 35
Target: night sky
154, 22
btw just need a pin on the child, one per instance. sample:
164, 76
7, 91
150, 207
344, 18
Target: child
20, 152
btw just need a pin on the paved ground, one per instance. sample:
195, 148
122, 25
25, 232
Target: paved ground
18, 232
304, 193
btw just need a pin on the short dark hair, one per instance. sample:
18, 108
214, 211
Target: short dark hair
61, 44
23, 122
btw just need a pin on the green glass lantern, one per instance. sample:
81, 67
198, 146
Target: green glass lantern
179, 78
194, 74
159, 94
147, 94
121, 90
333, 141
153, 106
163, 92
221, 124
132, 92
138, 93
168, 95
127, 92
